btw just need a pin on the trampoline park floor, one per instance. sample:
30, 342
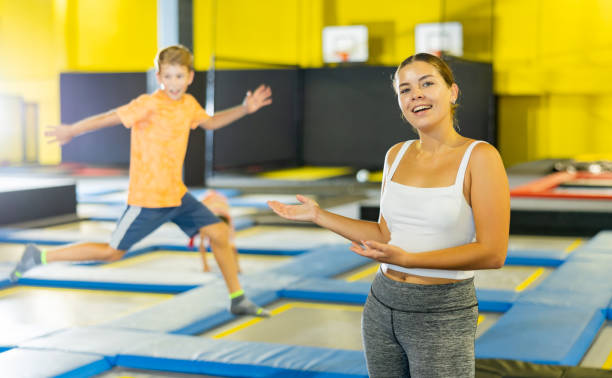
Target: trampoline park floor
293, 322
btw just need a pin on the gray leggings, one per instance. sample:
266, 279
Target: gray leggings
418, 331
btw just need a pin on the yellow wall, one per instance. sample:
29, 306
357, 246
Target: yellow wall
552, 58
111, 35
30, 58
560, 53
41, 38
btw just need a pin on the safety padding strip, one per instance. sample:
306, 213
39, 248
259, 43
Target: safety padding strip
227, 192
584, 273
11, 335
602, 241
126, 279
239, 359
187, 354
5, 272
550, 258
200, 309
113, 286
327, 290
556, 322
495, 300
542, 334
322, 262
20, 362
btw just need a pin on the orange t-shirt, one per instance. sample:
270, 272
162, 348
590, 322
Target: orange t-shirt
159, 133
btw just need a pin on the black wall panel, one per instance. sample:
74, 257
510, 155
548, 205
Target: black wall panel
351, 114
267, 137
86, 94
329, 116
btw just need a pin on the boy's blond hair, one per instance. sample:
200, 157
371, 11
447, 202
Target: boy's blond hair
177, 54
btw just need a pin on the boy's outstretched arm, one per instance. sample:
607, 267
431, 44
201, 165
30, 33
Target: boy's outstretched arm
262, 96
64, 133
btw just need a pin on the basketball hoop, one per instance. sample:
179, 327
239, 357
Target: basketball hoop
343, 55
344, 44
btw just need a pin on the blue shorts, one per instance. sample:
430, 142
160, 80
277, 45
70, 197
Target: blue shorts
138, 222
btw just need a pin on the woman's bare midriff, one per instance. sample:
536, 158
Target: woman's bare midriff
420, 280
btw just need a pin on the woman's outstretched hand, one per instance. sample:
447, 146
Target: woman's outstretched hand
307, 211
381, 252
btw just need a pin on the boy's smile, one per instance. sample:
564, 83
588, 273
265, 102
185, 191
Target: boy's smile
174, 80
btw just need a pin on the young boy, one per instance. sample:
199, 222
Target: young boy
160, 125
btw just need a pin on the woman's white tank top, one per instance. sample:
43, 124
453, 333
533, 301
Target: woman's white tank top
427, 219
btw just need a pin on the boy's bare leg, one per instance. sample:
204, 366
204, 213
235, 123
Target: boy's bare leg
235, 250
218, 235
85, 252
203, 254
33, 256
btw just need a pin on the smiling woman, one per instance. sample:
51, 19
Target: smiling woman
445, 212
429, 82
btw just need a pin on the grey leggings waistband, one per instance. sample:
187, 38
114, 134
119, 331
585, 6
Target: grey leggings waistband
408, 297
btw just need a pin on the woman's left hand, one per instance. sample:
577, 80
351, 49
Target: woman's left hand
381, 252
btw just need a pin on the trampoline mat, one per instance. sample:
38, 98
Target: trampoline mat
286, 238
599, 354
192, 262
327, 325
70, 307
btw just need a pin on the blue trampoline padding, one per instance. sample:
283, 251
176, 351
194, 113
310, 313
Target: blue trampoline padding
541, 334
597, 256
98, 340
247, 251
610, 311
220, 317
116, 286
19, 333
91, 200
567, 298
248, 202
236, 358
535, 257
580, 275
322, 262
20, 362
20, 240
227, 192
321, 289
93, 193
601, 241
4, 349
241, 223
5, 282
495, 300
194, 311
